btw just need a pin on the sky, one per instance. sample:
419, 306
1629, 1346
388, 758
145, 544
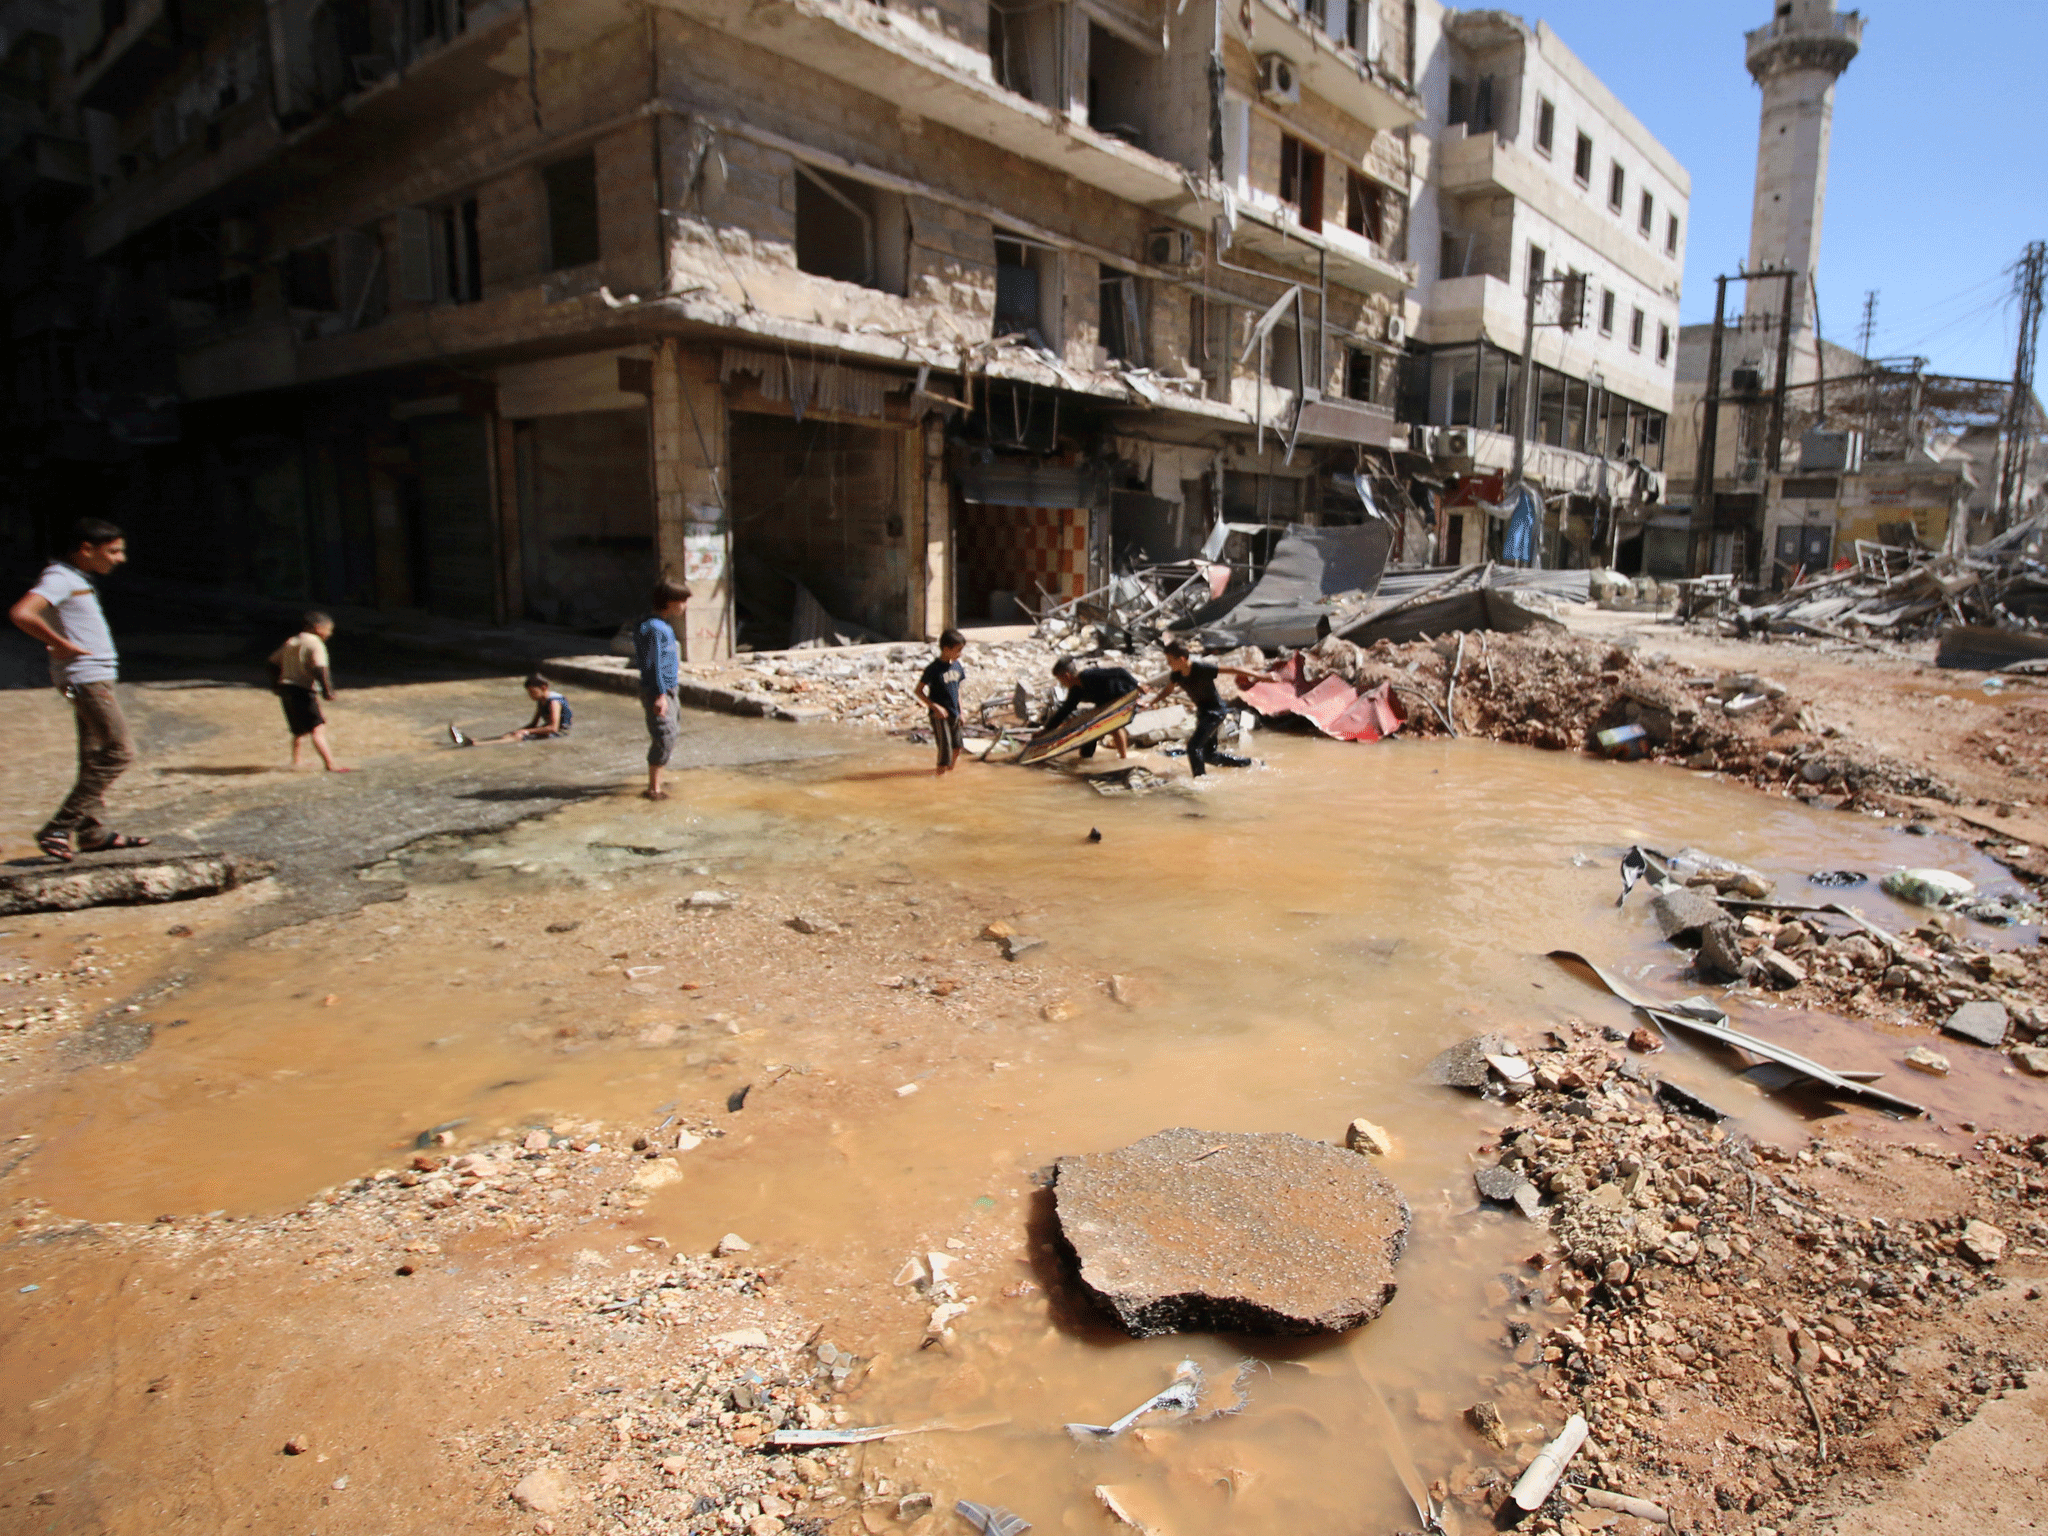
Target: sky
1937, 179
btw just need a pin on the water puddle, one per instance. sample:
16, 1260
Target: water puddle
1293, 945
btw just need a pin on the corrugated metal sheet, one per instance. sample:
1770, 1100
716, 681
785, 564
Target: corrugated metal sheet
806, 383
1027, 484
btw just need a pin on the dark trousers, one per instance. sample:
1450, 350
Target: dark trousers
104, 750
946, 732
1202, 748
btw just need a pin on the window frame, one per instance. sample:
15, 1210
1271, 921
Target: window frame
1305, 167
1538, 260
556, 216
1617, 186
1582, 160
1546, 126
1646, 215
1607, 308
1663, 343
1671, 234
1637, 320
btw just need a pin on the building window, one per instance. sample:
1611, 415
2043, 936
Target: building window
1582, 161
1027, 275
1365, 208
849, 230
1301, 181
1358, 372
1536, 260
1023, 49
572, 211
1460, 103
1647, 216
1606, 311
1663, 342
1617, 186
1317, 11
1635, 332
1121, 321
1546, 124
1671, 235
1482, 106
461, 254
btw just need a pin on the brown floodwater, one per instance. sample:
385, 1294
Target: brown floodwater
1299, 941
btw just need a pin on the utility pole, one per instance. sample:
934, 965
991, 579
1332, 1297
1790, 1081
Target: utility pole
1710, 422
2019, 410
1571, 287
1777, 455
1869, 323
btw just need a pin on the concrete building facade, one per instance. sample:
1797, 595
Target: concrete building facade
1528, 167
854, 315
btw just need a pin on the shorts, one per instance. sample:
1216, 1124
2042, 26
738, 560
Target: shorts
662, 730
301, 708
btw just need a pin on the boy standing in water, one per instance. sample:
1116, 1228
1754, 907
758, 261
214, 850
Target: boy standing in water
298, 668
938, 690
659, 656
1197, 679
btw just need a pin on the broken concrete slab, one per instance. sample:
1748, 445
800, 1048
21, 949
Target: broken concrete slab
1504, 1186
1191, 1230
1683, 914
1984, 1023
1981, 1243
1779, 969
1464, 1065
74, 888
2031, 1058
1720, 949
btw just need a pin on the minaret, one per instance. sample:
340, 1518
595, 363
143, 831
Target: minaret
1796, 60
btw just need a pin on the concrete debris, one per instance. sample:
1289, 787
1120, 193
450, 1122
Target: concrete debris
1364, 1136
1682, 914
1535, 1484
1981, 1243
1984, 1023
1933, 1063
1485, 1418
75, 888
544, 1491
1465, 1064
1624, 1504
1191, 1230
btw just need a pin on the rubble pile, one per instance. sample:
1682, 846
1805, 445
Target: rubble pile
1740, 1324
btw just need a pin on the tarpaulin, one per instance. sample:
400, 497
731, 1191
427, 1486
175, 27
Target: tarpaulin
1309, 566
1332, 705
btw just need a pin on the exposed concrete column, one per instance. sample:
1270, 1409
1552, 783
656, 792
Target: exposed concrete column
692, 522
932, 597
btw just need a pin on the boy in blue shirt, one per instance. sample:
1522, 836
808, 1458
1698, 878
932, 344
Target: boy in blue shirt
659, 656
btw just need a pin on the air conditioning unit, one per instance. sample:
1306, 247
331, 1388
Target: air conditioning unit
1278, 79
1455, 443
1397, 329
1423, 440
1166, 247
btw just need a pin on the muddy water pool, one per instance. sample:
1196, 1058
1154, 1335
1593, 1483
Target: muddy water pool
1296, 942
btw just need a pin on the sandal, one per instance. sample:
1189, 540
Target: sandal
56, 845
113, 842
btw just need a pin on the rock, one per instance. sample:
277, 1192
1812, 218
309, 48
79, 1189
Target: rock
1721, 949
1682, 914
1017, 945
1498, 1184
730, 1244
298, 1445
1364, 1136
1617, 1272
741, 1338
1860, 952
913, 1506
544, 1491
1984, 1023
1217, 1231
127, 884
1779, 970
2031, 1058
1464, 1064
805, 922
997, 930
535, 1141
1981, 1243
707, 900
1933, 1063
1485, 1418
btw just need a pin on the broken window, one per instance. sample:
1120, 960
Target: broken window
1617, 186
1365, 208
1546, 124
1121, 324
1027, 274
1482, 106
1606, 311
1460, 108
848, 230
1536, 261
1635, 332
1283, 356
1647, 216
1663, 342
1358, 374
572, 211
1671, 235
1119, 86
1582, 160
1301, 181
1023, 48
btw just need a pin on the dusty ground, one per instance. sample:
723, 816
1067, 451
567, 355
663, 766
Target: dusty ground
492, 1335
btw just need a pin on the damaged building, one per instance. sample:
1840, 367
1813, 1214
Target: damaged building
861, 318
1529, 168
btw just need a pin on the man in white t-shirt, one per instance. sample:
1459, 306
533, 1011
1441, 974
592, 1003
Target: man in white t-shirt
62, 611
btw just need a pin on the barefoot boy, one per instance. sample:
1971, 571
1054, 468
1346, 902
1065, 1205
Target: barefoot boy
659, 656
938, 690
299, 671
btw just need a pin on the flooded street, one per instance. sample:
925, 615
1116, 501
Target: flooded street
1290, 946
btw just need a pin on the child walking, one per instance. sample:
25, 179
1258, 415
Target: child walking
659, 656
550, 722
939, 691
298, 669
